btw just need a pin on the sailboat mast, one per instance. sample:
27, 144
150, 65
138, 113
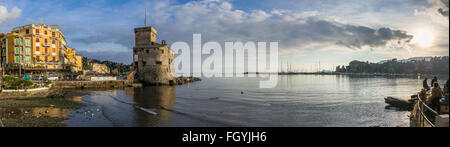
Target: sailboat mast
145, 18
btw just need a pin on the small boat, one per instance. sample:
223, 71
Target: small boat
398, 102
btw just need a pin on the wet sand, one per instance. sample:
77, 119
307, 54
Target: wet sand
51, 111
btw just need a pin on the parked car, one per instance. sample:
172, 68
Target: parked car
53, 78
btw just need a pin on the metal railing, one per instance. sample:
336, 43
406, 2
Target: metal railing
1, 124
423, 115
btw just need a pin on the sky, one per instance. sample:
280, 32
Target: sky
309, 32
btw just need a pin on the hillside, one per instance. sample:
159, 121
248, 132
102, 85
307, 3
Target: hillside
424, 65
123, 68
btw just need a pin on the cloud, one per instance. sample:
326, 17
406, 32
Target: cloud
6, 16
217, 20
106, 51
121, 57
438, 11
444, 10
96, 28
294, 30
102, 47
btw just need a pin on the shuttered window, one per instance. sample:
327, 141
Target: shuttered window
28, 51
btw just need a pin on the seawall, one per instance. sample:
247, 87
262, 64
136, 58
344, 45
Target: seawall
92, 84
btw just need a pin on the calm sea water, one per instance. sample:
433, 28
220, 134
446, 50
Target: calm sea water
297, 101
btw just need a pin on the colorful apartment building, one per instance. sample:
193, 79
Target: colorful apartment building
36, 49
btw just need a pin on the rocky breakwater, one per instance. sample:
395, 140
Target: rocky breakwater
185, 80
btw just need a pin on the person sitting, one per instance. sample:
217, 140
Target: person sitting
436, 95
425, 84
423, 95
434, 80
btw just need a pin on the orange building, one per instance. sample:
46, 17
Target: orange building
35, 49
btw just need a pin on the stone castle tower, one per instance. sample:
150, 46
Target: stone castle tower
152, 61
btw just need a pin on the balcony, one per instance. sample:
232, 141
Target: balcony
46, 44
47, 62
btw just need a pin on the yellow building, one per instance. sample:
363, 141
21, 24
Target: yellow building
76, 62
36, 48
79, 63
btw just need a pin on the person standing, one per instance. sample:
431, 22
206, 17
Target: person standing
436, 95
425, 84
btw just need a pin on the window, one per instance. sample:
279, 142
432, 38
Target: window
45, 32
46, 58
28, 60
17, 41
45, 40
37, 31
37, 48
17, 59
46, 50
27, 31
54, 59
37, 39
162, 51
28, 42
54, 50
158, 62
53, 34
28, 51
53, 41
147, 51
38, 58
18, 50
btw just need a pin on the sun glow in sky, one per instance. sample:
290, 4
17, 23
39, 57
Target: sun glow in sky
424, 38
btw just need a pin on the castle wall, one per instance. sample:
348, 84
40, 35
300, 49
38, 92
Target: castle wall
152, 61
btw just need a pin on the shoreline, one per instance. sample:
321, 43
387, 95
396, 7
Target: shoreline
58, 87
50, 111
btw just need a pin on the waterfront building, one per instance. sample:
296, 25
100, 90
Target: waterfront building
152, 61
37, 49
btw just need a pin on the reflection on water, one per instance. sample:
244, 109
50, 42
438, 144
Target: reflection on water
159, 99
148, 106
297, 101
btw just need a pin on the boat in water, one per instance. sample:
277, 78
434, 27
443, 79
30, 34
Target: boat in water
399, 102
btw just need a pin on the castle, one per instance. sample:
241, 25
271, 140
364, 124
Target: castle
152, 61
